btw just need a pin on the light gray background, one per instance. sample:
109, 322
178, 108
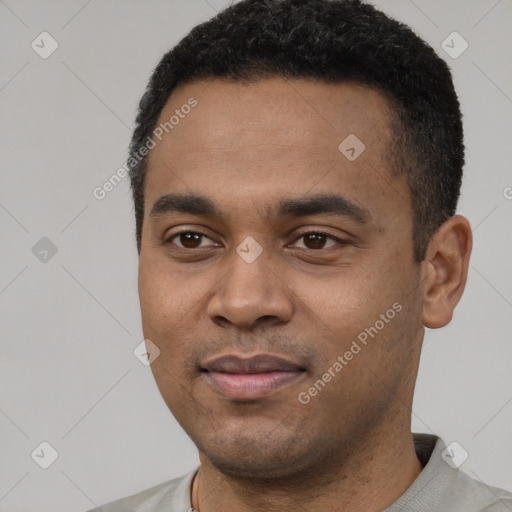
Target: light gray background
69, 326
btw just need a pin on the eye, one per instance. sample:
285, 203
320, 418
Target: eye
316, 240
188, 240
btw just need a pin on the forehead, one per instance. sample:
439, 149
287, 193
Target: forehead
270, 135
309, 114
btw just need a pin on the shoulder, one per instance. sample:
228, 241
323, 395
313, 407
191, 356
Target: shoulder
490, 499
479, 496
493, 498
503, 504
470, 493
442, 485
167, 496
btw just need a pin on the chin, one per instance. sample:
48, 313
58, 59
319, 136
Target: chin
276, 454
256, 466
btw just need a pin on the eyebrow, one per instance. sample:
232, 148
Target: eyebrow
330, 204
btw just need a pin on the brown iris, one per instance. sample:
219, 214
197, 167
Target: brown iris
314, 240
190, 240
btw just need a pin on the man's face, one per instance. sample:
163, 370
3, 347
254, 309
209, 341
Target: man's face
247, 326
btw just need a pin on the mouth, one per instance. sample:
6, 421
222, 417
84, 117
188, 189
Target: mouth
250, 378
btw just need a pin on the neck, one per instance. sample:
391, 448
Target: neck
376, 473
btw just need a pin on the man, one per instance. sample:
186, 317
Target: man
297, 233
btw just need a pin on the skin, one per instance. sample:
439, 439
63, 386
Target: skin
245, 146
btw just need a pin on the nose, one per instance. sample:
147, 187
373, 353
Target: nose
251, 295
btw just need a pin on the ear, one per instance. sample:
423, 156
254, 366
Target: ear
445, 271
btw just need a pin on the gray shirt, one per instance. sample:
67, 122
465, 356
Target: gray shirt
438, 488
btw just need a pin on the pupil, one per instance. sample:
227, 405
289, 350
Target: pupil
315, 241
188, 239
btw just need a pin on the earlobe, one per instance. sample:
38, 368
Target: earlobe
445, 271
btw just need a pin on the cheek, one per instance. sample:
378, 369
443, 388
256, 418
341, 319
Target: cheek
172, 303
346, 301
164, 299
165, 309
362, 313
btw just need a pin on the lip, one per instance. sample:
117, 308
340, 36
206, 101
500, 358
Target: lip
250, 378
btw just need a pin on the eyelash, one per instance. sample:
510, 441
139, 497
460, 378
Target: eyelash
339, 241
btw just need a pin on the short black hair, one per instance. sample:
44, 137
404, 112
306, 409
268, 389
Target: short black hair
331, 41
